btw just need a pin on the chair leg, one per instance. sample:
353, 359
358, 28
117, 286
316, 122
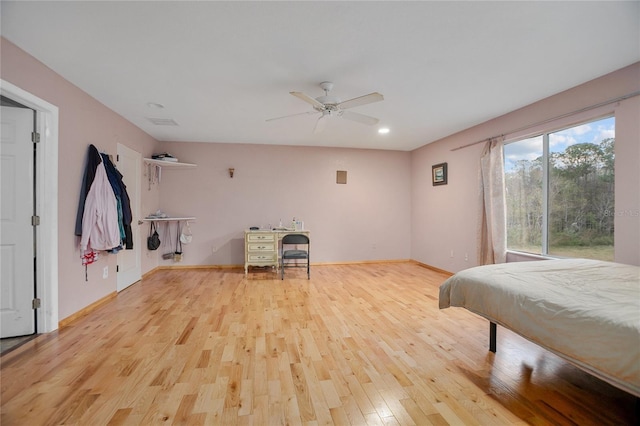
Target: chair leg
282, 269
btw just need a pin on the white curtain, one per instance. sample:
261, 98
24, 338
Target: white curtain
492, 244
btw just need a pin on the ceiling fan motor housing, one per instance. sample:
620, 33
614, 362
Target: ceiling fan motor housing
330, 102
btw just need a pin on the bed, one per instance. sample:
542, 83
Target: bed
586, 311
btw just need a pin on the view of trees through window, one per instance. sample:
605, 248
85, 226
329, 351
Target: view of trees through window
577, 220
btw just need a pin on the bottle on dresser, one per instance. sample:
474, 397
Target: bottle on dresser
297, 225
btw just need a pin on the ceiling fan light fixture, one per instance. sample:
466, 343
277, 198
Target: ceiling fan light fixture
383, 130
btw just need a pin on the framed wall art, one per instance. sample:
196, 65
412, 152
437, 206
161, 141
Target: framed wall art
439, 174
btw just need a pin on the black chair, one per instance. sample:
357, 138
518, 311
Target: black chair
295, 255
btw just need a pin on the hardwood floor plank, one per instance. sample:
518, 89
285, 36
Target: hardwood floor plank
246, 398
185, 409
339, 416
377, 400
120, 417
302, 394
356, 344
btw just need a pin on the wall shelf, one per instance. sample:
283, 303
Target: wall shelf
168, 219
153, 169
172, 164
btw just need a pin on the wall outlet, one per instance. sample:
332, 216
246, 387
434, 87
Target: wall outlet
451, 253
105, 272
466, 257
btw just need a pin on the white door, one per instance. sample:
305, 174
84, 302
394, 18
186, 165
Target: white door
17, 317
129, 163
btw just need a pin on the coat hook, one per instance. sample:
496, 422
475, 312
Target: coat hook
231, 170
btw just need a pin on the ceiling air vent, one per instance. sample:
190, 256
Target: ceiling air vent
162, 121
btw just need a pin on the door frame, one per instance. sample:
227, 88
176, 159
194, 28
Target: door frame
46, 187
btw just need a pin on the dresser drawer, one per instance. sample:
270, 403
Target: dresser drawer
262, 246
262, 257
256, 238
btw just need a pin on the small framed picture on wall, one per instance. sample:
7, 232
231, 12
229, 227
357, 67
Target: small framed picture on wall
439, 174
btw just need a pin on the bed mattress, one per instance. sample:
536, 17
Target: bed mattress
586, 311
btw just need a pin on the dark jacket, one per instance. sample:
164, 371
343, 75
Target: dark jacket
93, 159
120, 190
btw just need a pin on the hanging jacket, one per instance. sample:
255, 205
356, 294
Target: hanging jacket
122, 197
93, 159
100, 217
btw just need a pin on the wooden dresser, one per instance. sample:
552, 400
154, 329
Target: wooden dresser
261, 247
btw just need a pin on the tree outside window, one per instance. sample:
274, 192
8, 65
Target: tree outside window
560, 192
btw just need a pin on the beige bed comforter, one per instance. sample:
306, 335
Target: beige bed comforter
586, 311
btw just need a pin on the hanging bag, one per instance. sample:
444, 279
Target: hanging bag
177, 256
168, 246
153, 240
186, 235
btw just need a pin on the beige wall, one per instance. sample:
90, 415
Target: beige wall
366, 219
445, 218
82, 121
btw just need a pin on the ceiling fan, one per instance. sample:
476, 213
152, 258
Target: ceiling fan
330, 106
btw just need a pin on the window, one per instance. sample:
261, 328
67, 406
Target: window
560, 192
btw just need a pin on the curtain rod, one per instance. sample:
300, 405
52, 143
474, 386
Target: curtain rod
611, 101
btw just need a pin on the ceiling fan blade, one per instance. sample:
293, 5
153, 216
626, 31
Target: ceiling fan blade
316, 104
360, 118
362, 100
292, 115
321, 123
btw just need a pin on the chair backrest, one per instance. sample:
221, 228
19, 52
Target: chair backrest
295, 239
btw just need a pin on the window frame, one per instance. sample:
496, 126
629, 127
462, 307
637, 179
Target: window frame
544, 130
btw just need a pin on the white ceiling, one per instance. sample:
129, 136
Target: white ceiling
222, 68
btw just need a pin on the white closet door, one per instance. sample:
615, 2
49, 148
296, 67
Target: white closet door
17, 317
129, 261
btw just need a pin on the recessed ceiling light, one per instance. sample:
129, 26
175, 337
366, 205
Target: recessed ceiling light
155, 105
383, 130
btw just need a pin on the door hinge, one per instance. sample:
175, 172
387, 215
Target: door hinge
117, 268
35, 220
36, 303
35, 137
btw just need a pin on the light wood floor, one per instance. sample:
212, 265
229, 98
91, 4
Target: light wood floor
357, 344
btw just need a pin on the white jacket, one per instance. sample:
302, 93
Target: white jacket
100, 229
